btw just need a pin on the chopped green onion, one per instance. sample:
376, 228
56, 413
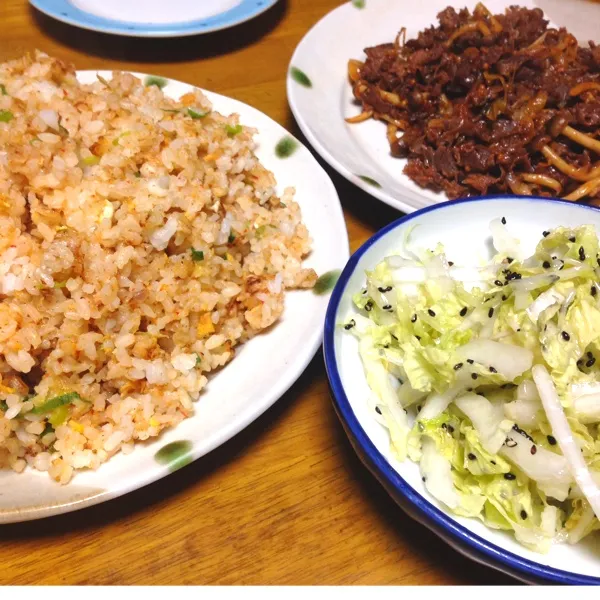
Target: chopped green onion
198, 359
116, 140
55, 403
231, 238
6, 116
196, 115
60, 284
102, 80
233, 131
171, 110
62, 130
283, 204
3, 406
137, 174
90, 161
159, 82
59, 415
197, 255
3, 89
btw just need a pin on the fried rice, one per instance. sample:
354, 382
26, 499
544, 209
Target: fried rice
141, 241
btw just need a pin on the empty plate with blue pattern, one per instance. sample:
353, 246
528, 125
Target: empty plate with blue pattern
158, 18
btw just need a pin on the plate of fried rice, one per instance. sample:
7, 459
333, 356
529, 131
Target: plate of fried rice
150, 233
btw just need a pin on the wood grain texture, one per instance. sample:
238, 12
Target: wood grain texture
286, 501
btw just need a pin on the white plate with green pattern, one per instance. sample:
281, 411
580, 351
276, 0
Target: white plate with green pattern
320, 94
262, 370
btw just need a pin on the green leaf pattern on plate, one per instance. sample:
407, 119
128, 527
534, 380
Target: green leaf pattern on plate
175, 455
370, 181
300, 77
358, 3
286, 147
159, 82
326, 282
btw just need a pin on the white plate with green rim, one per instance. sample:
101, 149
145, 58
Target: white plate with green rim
320, 94
262, 370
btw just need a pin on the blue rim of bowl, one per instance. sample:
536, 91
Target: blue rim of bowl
63, 10
380, 466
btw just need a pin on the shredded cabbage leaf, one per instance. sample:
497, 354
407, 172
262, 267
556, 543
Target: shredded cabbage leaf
488, 377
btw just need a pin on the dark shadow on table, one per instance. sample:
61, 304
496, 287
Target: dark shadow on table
171, 486
162, 50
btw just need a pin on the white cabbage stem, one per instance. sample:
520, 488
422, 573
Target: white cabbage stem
564, 436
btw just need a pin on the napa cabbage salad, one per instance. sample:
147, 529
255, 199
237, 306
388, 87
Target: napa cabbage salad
488, 377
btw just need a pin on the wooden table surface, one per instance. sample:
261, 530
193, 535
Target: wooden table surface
286, 501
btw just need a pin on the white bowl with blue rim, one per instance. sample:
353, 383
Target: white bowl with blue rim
462, 226
157, 18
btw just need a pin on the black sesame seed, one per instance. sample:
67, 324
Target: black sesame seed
565, 336
509, 260
493, 462
572, 239
469, 389
493, 370
463, 311
350, 324
418, 337
590, 363
510, 442
580, 362
369, 306
518, 329
364, 292
503, 220
533, 450
474, 375
431, 313
381, 289
498, 283
471, 456
504, 297
491, 313
413, 319
450, 263
594, 290
423, 479
523, 515
458, 366
522, 432
378, 410
589, 354
388, 288
470, 361
450, 429
598, 261
552, 440
545, 233
546, 264
387, 307
510, 476
581, 253
444, 426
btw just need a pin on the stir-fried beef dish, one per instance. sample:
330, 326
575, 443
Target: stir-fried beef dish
485, 104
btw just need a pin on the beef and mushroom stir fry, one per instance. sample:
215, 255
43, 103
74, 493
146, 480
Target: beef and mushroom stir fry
485, 104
